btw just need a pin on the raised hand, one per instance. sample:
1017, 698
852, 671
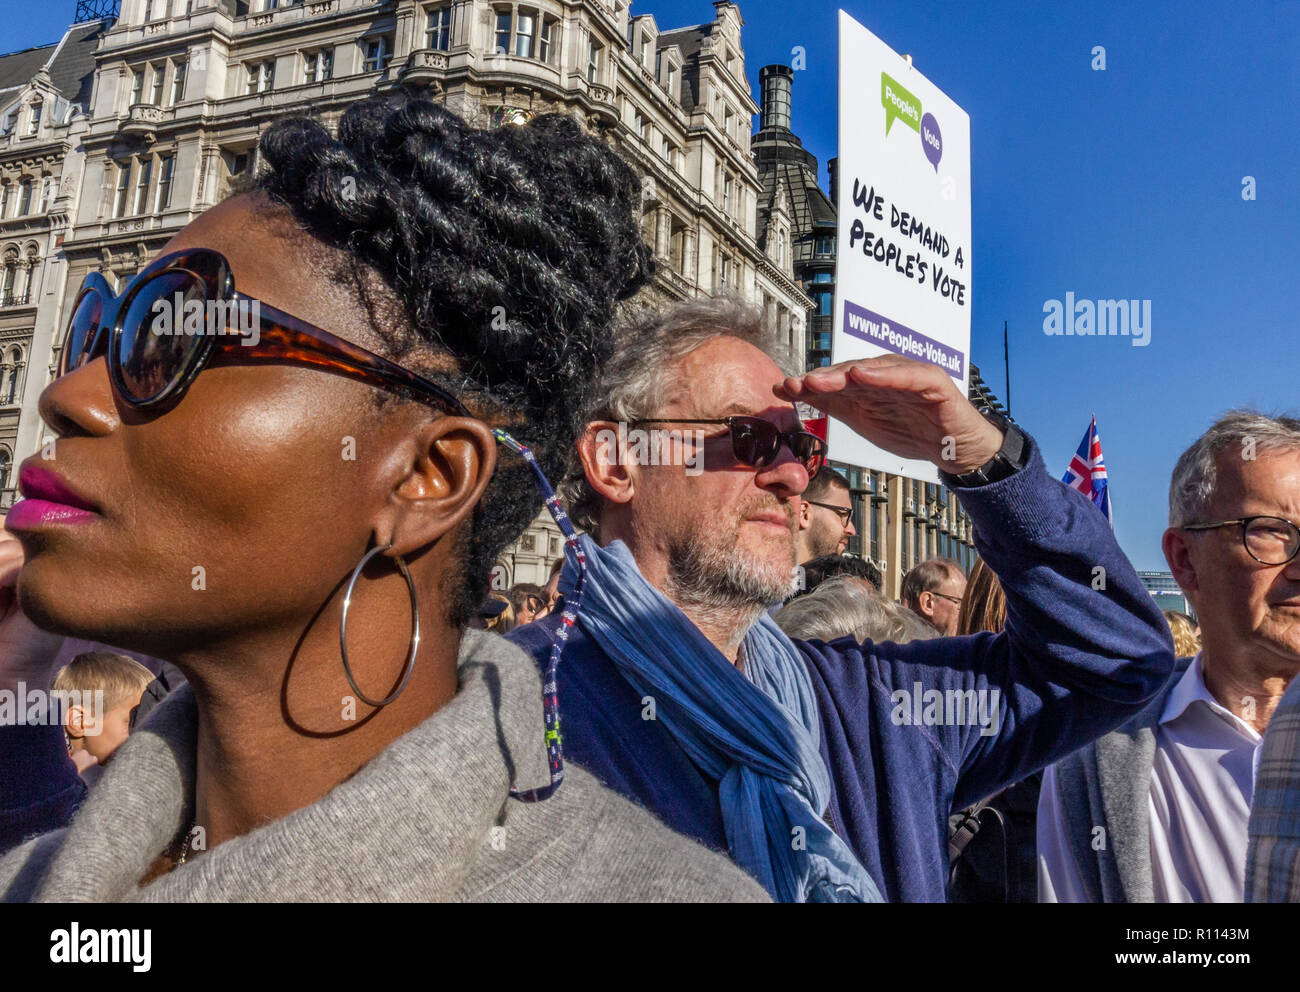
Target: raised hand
913, 409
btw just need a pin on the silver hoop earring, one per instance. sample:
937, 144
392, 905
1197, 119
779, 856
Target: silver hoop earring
415, 629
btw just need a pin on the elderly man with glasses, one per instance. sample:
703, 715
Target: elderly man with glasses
827, 771
1158, 810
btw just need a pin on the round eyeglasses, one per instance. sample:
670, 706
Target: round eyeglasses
1269, 540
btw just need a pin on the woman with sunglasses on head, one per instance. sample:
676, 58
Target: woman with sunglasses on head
302, 516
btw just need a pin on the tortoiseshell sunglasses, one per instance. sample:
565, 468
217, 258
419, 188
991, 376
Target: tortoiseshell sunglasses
157, 341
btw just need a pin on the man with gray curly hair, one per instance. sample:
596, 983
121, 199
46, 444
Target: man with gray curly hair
1172, 790
826, 769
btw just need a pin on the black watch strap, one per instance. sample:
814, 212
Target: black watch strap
1009, 460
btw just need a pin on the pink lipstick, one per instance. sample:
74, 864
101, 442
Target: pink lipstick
47, 500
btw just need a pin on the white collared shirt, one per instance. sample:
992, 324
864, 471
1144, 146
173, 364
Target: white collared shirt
1202, 782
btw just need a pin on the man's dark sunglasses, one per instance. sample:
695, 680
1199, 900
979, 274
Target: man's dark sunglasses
757, 442
845, 513
151, 370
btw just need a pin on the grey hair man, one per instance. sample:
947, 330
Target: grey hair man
676, 686
846, 606
825, 516
933, 591
1171, 792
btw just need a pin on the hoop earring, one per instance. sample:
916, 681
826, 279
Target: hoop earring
415, 629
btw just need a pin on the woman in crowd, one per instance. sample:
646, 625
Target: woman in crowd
1187, 635
303, 517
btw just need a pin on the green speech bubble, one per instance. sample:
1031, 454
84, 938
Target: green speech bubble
899, 104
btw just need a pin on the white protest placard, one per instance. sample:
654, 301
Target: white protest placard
903, 284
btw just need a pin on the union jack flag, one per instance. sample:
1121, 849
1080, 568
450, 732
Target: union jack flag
1087, 471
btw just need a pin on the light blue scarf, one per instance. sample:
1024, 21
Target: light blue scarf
758, 738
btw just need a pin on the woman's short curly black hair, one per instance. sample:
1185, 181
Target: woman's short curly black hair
508, 250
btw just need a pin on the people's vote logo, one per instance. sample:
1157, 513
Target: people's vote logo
902, 105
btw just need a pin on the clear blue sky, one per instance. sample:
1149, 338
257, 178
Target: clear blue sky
1117, 184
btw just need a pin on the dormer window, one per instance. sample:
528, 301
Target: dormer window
34, 121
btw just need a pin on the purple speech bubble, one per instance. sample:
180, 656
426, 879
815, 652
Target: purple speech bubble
931, 140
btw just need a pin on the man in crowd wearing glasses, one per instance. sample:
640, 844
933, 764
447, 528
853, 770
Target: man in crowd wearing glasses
933, 590
825, 516
1158, 810
827, 770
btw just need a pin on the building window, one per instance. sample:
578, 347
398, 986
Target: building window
271, 4
726, 194
34, 122
438, 33
824, 277
142, 187
545, 47
156, 96
261, 76
123, 188
166, 166
724, 270
318, 66
517, 34
47, 193
4, 201
179, 69
7, 285
525, 32
7, 124
593, 63
824, 245
137, 85
823, 298
502, 33
378, 53
24, 198
780, 247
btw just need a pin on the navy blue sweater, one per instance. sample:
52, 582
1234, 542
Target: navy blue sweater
1084, 648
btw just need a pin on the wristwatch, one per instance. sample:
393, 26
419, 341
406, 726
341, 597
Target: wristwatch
1009, 460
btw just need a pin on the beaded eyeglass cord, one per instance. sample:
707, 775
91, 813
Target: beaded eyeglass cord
550, 698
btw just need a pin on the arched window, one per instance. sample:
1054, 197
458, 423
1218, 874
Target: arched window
14, 361
6, 463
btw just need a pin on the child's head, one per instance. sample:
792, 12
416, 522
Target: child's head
98, 724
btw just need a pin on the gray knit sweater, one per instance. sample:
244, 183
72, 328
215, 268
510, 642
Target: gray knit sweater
414, 824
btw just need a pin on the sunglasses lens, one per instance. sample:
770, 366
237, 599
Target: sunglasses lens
160, 334
754, 441
81, 331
